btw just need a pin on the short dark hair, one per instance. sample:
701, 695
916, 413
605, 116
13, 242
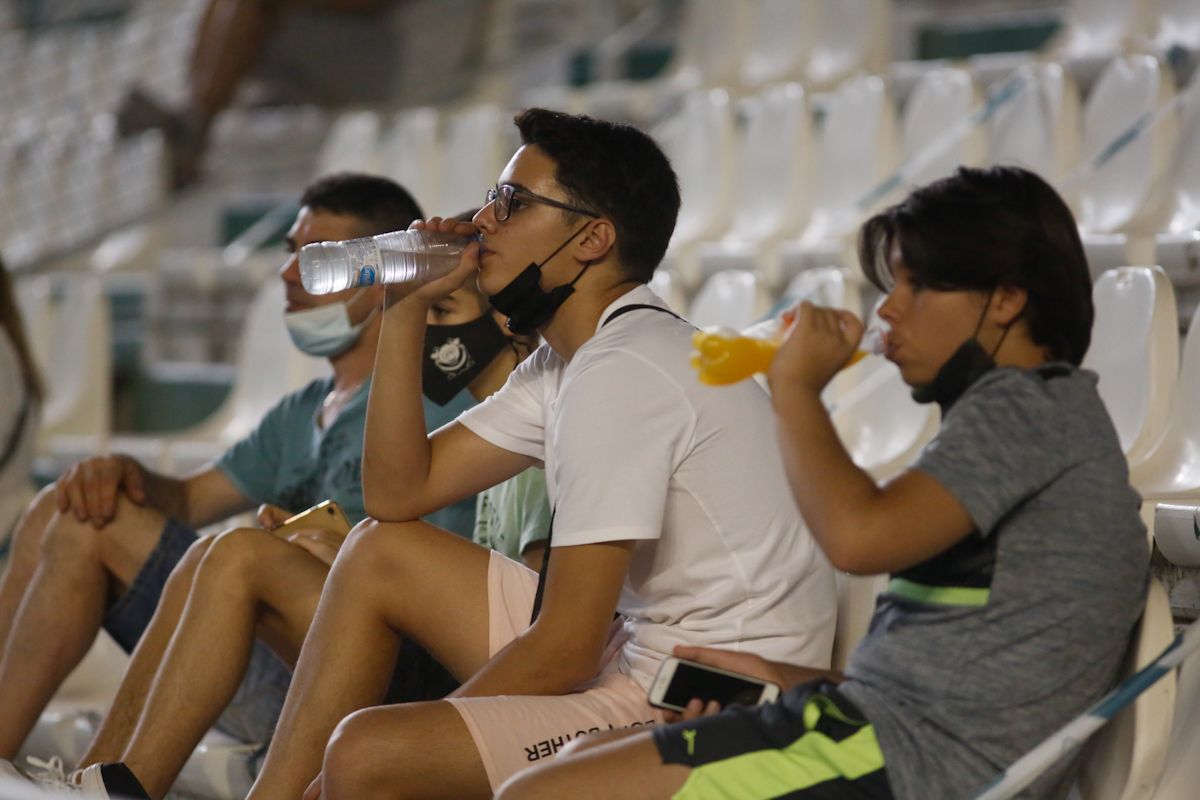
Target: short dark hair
382, 204
984, 228
615, 170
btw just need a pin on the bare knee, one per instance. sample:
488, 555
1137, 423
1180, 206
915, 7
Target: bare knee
31, 528
66, 539
351, 757
237, 554
180, 580
389, 550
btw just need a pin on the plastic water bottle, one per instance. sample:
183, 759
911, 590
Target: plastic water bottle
414, 257
724, 355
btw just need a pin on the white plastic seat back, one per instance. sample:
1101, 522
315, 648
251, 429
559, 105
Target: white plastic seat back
855, 37
1172, 469
350, 144
1185, 171
78, 370
410, 155
268, 367
857, 150
1135, 352
712, 40
473, 157
1181, 775
781, 36
666, 284
822, 286
732, 298
699, 142
1124, 760
774, 158
942, 99
1039, 128
35, 301
1114, 197
880, 424
856, 604
1178, 24
1099, 28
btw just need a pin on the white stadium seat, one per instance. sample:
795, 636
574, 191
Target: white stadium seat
773, 182
1135, 352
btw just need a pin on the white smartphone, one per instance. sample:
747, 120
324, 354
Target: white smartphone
678, 681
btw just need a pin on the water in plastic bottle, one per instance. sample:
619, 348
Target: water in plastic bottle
413, 256
724, 355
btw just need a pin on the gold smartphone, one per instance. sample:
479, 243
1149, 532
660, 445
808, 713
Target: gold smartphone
326, 516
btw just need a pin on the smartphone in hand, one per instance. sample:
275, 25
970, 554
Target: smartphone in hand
327, 515
679, 681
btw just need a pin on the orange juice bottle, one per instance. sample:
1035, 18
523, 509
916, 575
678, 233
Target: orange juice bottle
724, 355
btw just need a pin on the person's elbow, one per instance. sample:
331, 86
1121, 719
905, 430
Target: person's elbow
388, 504
853, 550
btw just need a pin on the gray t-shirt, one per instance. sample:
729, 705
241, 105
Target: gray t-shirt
976, 655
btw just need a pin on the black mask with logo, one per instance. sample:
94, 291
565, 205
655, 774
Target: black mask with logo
523, 300
456, 354
969, 363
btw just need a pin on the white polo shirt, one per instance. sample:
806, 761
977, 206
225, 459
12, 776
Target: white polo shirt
635, 447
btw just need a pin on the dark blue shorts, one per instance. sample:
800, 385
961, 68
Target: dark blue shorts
252, 714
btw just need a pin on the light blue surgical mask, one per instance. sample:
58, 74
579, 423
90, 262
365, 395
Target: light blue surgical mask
325, 331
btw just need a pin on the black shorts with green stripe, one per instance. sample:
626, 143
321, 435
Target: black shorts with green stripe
813, 744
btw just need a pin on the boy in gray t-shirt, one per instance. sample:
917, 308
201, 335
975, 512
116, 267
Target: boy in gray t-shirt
990, 646
1018, 560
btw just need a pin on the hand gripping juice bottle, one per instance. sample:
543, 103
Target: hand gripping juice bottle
724, 355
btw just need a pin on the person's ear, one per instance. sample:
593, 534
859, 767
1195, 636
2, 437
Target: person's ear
597, 241
1008, 303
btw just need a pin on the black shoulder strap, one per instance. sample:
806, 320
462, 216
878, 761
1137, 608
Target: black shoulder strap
634, 307
541, 587
14, 436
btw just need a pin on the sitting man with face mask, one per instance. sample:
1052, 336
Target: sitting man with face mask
96, 549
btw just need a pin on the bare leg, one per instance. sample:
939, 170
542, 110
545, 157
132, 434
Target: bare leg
249, 582
385, 583
118, 725
610, 769
63, 608
415, 750
23, 557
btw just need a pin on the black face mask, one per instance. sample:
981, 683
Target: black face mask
456, 354
969, 363
525, 303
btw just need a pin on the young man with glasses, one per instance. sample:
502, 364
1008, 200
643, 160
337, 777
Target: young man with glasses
670, 505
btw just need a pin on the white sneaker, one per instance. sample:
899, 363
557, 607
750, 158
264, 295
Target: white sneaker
88, 779
51, 775
47, 774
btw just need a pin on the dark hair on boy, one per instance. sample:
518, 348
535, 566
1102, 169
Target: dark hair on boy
617, 171
983, 228
382, 204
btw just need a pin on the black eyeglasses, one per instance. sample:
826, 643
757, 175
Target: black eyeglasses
504, 194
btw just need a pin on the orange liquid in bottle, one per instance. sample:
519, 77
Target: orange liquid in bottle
724, 356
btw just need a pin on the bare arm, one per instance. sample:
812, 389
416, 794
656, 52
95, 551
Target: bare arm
563, 648
407, 473
862, 528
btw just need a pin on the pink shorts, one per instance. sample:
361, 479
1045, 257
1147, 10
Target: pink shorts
515, 732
